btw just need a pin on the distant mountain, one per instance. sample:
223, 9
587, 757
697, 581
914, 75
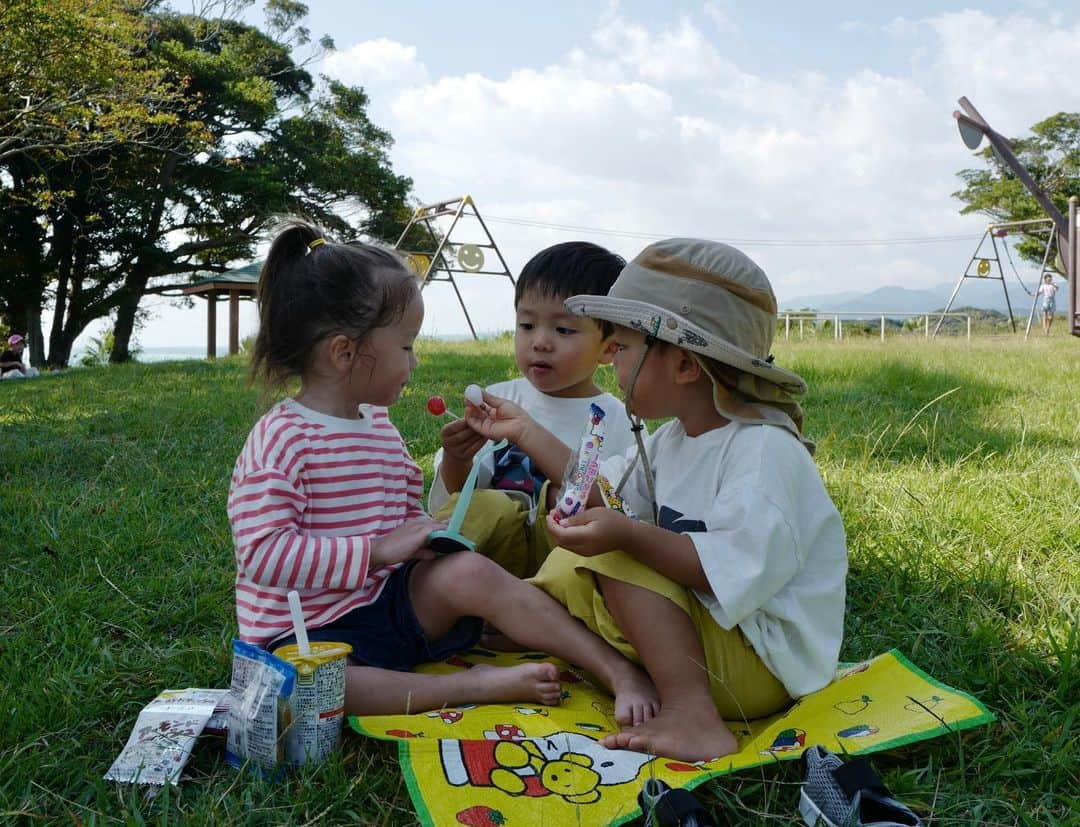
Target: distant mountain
981, 293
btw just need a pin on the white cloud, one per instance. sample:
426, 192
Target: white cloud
720, 15
380, 64
649, 129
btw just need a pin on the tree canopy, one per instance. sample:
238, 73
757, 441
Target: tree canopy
235, 132
1051, 154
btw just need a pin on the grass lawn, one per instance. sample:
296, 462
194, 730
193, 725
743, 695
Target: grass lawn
952, 464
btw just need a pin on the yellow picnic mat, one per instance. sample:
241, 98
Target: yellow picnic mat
529, 765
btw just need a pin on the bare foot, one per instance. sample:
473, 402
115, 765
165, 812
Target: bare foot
636, 700
529, 682
691, 733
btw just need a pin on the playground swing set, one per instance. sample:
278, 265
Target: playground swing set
985, 263
1060, 230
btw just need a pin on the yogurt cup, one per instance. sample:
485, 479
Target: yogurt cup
318, 701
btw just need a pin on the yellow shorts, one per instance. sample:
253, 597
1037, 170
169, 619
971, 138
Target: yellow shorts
741, 685
499, 525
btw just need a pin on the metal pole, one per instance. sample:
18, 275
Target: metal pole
836, 327
1004, 287
928, 324
956, 289
969, 328
1005, 153
1072, 266
800, 328
787, 326
1042, 269
883, 327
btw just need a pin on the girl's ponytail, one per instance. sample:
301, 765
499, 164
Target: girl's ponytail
311, 287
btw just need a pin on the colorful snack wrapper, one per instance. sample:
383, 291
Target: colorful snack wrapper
581, 473
165, 733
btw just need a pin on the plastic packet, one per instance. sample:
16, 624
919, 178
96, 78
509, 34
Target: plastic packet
582, 470
258, 707
164, 734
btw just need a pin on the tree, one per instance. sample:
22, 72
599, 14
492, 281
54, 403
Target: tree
71, 75
249, 135
1051, 154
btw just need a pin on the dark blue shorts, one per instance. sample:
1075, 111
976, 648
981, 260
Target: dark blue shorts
387, 634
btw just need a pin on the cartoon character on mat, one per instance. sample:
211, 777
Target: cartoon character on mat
566, 764
787, 740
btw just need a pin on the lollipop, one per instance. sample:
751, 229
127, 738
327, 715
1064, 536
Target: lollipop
437, 407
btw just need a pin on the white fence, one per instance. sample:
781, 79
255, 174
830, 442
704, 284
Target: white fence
801, 317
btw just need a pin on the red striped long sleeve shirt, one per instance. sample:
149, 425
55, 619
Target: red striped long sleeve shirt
309, 494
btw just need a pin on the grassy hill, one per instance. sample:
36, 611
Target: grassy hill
952, 464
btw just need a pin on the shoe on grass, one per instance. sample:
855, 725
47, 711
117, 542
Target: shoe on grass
838, 794
662, 806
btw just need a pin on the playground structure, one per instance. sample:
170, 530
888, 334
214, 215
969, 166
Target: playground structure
973, 128
458, 249
983, 262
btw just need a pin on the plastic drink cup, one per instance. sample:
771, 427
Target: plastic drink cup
318, 701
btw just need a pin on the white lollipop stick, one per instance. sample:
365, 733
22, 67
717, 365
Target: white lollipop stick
302, 645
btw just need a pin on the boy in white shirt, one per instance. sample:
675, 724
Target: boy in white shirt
730, 588
557, 353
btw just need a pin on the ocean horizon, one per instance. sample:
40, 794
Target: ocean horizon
179, 353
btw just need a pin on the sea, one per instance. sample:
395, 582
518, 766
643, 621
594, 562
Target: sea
185, 352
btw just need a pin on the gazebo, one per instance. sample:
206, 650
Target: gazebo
237, 284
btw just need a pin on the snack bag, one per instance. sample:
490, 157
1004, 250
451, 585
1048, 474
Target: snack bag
258, 707
163, 736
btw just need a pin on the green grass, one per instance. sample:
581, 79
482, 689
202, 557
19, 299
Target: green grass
952, 464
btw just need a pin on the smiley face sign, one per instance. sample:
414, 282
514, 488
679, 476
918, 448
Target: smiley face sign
470, 257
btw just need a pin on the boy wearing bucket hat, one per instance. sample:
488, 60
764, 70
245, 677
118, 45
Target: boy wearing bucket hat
730, 588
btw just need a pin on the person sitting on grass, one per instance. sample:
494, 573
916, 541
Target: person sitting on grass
730, 587
325, 499
11, 360
557, 353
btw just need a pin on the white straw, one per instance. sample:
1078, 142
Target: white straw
302, 645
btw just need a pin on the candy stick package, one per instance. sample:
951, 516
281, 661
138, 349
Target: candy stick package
582, 470
164, 734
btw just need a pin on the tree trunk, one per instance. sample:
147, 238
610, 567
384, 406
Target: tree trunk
145, 266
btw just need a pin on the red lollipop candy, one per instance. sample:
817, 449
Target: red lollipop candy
436, 406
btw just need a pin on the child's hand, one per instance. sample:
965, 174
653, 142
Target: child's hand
406, 542
498, 419
460, 442
592, 531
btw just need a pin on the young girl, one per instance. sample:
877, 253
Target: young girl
325, 499
1048, 295
730, 589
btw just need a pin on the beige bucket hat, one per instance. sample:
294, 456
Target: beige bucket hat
701, 295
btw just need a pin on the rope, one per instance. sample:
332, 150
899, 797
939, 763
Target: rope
1005, 244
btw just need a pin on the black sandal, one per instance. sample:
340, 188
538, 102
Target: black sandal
662, 806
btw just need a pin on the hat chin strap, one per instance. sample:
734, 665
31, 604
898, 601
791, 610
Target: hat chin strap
637, 427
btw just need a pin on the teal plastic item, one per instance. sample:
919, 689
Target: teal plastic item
450, 539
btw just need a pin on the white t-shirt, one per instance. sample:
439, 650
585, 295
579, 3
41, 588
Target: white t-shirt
1048, 291
770, 540
566, 418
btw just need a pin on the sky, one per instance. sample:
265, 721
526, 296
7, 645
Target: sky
797, 132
